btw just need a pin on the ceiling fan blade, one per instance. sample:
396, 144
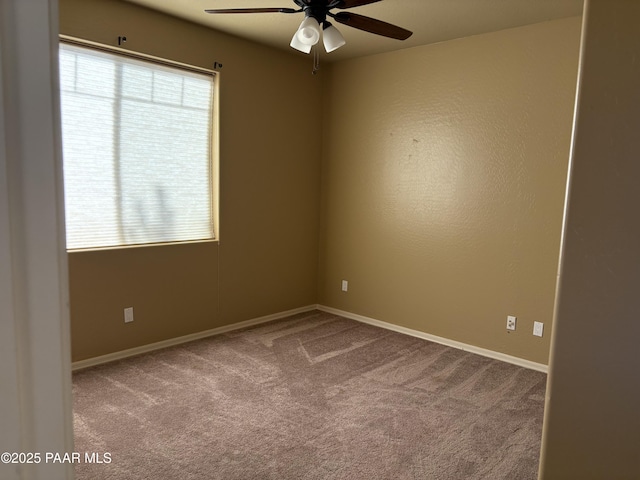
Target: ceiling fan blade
352, 3
372, 25
253, 10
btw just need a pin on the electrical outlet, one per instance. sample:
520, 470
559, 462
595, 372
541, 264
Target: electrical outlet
345, 285
538, 327
511, 322
128, 314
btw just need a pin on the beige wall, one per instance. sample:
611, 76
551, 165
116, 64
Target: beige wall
266, 260
443, 180
444, 171
592, 423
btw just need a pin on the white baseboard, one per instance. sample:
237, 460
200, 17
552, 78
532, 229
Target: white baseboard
91, 362
521, 362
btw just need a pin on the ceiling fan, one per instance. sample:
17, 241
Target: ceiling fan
316, 13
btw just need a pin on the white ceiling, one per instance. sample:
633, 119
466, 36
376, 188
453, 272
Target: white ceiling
431, 21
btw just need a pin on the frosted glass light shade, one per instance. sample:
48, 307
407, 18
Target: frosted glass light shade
298, 45
309, 31
332, 38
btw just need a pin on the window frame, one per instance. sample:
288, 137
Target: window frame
214, 133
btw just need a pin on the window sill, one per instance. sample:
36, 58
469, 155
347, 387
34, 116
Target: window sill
142, 245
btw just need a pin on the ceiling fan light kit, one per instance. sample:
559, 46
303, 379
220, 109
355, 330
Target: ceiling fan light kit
316, 12
308, 35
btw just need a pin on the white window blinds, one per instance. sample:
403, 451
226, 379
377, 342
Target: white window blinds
136, 150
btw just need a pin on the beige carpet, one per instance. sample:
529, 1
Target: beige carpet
314, 396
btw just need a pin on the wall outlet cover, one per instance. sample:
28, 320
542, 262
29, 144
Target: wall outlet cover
538, 327
511, 322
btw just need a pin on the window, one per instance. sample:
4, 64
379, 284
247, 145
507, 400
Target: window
137, 150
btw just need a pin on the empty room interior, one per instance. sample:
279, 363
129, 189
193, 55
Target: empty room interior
417, 198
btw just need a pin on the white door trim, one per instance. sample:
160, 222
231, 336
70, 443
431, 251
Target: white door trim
35, 366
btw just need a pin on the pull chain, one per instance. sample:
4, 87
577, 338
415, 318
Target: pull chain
316, 61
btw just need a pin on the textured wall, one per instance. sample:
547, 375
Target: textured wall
266, 259
444, 172
592, 423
